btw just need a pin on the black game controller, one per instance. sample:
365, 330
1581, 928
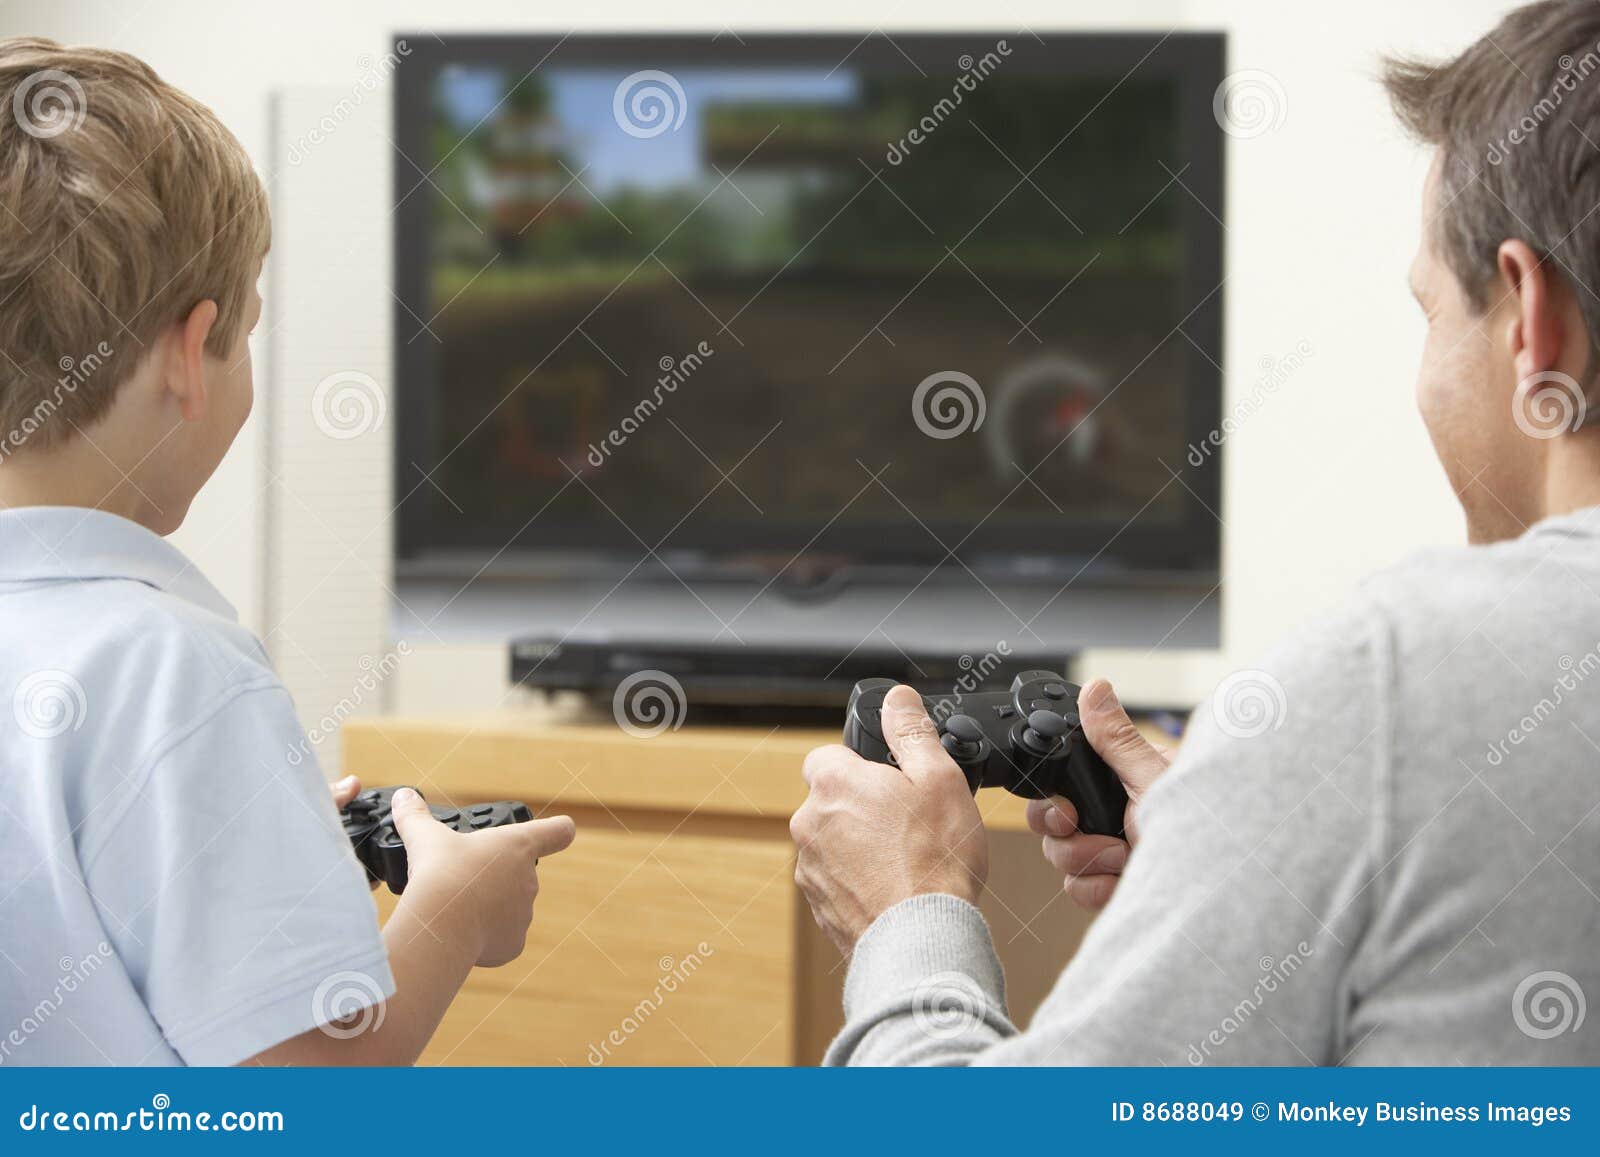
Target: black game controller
378, 846
1027, 740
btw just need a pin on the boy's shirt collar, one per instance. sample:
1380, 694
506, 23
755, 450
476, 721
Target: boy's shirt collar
72, 543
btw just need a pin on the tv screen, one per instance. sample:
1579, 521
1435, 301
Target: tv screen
743, 300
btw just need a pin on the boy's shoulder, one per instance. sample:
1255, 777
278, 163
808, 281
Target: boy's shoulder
110, 639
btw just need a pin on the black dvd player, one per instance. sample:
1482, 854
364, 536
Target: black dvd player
736, 674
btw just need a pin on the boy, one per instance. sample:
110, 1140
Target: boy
174, 886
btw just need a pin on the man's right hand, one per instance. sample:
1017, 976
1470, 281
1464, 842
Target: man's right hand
1092, 865
484, 883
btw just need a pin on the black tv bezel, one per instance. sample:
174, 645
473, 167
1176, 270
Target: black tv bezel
1189, 551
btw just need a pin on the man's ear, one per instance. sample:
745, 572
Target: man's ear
1546, 330
186, 377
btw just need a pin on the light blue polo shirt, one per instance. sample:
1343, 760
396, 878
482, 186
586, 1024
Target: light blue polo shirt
175, 887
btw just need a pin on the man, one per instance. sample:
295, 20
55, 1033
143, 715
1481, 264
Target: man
1399, 861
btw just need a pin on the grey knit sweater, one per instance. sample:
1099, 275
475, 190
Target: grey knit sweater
1381, 846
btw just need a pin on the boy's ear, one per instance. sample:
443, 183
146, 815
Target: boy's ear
187, 377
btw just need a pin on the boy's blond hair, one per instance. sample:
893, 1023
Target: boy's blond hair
123, 204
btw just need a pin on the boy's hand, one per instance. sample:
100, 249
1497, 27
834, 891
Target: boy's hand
344, 791
480, 885
1092, 865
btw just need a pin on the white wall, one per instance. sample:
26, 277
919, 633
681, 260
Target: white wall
1332, 478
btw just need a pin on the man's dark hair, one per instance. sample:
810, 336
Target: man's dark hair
1516, 118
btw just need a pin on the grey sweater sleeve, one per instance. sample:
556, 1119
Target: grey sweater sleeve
1232, 937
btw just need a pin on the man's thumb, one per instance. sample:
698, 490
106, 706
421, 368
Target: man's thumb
1110, 732
411, 816
910, 734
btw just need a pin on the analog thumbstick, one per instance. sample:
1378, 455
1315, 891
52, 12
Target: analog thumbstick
963, 738
965, 728
1044, 729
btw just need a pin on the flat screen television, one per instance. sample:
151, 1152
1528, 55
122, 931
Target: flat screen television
776, 304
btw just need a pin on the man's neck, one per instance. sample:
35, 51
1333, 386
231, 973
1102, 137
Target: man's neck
1572, 473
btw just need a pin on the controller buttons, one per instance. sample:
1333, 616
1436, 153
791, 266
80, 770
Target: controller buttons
480, 822
1054, 690
481, 809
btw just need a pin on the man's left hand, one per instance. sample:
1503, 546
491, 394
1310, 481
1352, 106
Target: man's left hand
870, 835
